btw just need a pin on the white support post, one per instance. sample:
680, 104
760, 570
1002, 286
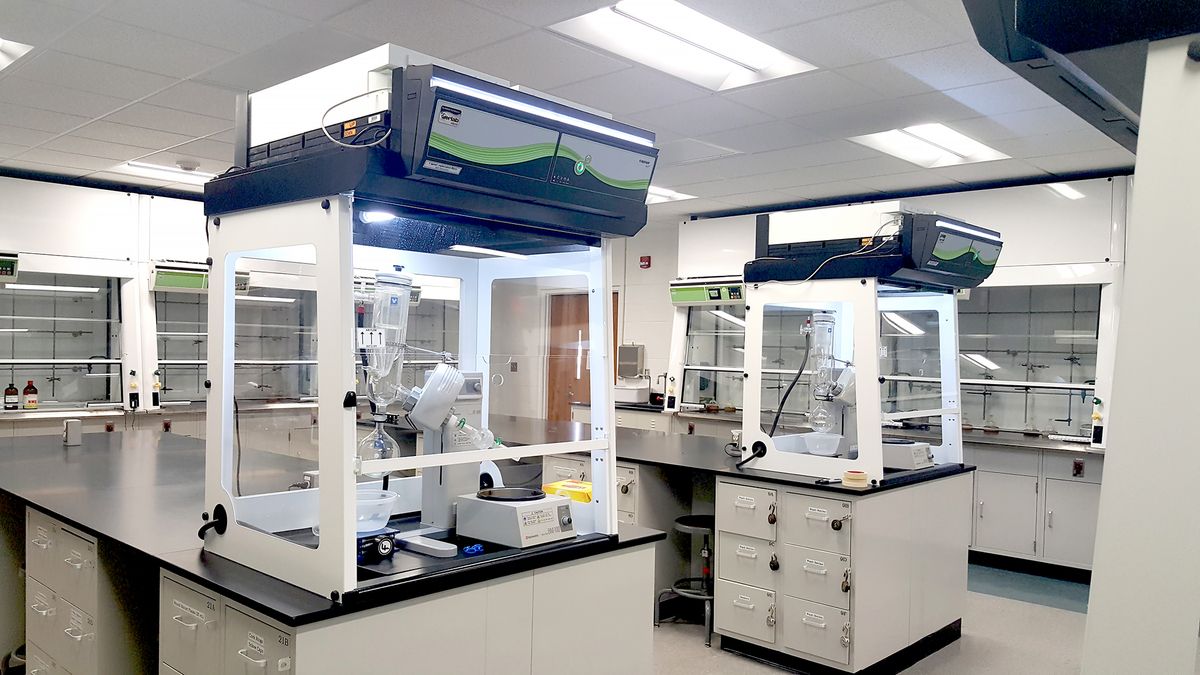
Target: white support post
1144, 609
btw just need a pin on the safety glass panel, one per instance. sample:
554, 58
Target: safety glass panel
716, 336
910, 360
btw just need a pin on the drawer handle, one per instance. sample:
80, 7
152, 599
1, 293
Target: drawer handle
42, 608
744, 605
74, 562
41, 543
814, 623
179, 620
563, 472
823, 519
77, 634
742, 504
816, 570
261, 663
747, 553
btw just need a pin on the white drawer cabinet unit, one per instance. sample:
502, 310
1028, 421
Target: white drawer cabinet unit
839, 579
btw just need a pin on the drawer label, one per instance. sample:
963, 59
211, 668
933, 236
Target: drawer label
814, 616
255, 643
743, 500
42, 532
76, 620
188, 609
816, 563
818, 510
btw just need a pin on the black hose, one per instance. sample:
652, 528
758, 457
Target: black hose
792, 385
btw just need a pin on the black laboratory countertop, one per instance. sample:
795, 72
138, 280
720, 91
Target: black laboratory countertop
145, 489
695, 453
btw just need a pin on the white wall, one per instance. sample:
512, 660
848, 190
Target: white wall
645, 310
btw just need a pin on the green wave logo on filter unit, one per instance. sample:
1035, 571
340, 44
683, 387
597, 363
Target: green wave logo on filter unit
585, 163
967, 251
491, 156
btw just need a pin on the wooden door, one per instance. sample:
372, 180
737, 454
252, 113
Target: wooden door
568, 379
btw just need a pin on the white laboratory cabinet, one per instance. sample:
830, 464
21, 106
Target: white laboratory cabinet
532, 622
842, 580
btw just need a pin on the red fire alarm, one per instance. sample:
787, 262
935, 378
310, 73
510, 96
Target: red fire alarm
644, 262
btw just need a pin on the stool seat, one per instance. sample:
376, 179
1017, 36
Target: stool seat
696, 524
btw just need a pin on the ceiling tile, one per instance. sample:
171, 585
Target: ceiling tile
313, 10
981, 172
1114, 158
92, 76
1005, 96
959, 65
84, 6
541, 12
803, 94
886, 79
835, 189
8, 149
913, 180
439, 28
21, 136
127, 135
697, 118
949, 13
540, 60
134, 47
630, 91
92, 148
126, 179
36, 23
892, 114
206, 148
759, 198
174, 156
41, 167
876, 32
186, 187
1084, 140
228, 24
288, 58
66, 159
197, 97
165, 119
1049, 120
687, 150
767, 15
226, 136
42, 120
686, 207
19, 90
764, 137
784, 160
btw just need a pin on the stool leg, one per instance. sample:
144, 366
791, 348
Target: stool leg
658, 604
708, 623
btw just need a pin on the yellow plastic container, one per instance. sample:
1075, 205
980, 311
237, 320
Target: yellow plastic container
577, 490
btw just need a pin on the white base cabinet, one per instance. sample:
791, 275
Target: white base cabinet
1070, 521
842, 580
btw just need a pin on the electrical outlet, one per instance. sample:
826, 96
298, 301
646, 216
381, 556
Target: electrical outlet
736, 434
512, 367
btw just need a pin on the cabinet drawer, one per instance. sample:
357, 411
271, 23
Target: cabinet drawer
189, 629
627, 488
746, 510
41, 533
41, 608
810, 521
75, 575
76, 640
558, 467
816, 629
745, 610
745, 560
1004, 460
815, 575
1073, 466
252, 646
626, 517
38, 662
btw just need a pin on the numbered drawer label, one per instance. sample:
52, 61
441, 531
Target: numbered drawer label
745, 510
253, 646
746, 560
815, 575
189, 625
817, 522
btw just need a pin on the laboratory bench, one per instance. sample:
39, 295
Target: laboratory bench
105, 535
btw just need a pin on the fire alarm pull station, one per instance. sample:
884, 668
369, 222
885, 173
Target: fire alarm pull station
644, 262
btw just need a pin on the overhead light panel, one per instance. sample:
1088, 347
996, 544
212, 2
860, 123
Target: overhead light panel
726, 316
1064, 190
930, 146
167, 173
461, 248
79, 290
14, 330
981, 361
671, 37
11, 51
902, 324
658, 195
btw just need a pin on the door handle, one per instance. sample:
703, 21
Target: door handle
261, 663
750, 553
1049, 519
179, 620
981, 509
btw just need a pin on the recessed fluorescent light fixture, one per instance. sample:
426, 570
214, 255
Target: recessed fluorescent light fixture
539, 111
967, 230
902, 324
658, 195
721, 314
11, 51
981, 361
461, 248
375, 216
169, 173
264, 298
1065, 190
14, 330
53, 289
669, 36
930, 146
